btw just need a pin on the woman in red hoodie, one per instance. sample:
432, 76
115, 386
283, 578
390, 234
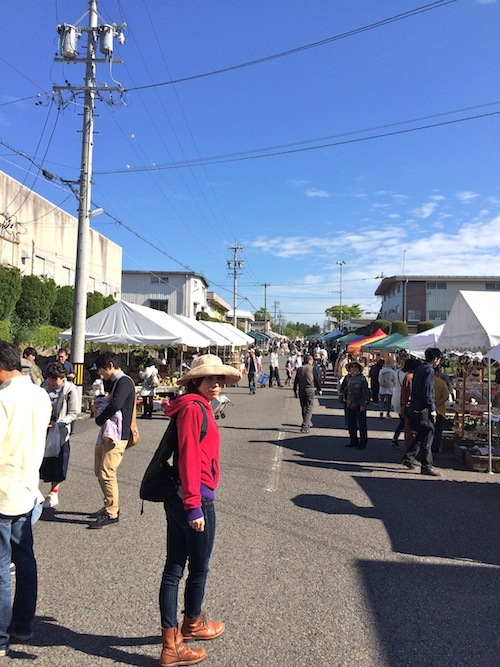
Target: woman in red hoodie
191, 513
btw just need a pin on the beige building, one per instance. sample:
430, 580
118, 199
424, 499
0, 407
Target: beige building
39, 238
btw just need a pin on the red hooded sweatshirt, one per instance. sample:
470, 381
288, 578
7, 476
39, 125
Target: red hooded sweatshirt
197, 463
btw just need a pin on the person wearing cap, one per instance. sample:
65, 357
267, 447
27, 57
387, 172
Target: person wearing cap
355, 395
191, 512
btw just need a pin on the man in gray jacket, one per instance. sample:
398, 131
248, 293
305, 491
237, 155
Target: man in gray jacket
304, 385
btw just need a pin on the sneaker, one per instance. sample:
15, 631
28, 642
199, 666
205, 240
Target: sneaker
381, 415
394, 443
96, 515
4, 651
406, 462
104, 520
431, 471
52, 500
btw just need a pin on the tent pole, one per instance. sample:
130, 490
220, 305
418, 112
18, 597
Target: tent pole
490, 459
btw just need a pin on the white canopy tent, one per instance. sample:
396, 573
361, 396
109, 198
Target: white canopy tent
130, 324
237, 337
215, 338
418, 343
474, 325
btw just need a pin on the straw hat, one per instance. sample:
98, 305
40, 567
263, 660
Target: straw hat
210, 364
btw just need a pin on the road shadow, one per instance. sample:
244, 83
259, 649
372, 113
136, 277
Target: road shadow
321, 502
438, 517
49, 633
58, 516
437, 615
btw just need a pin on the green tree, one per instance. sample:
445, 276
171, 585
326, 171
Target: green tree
62, 311
385, 325
348, 312
109, 301
36, 300
400, 327
425, 326
10, 289
260, 315
95, 303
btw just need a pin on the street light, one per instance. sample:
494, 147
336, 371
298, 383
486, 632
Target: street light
341, 263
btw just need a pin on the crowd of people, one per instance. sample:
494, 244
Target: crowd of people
37, 413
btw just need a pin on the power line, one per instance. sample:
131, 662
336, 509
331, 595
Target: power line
305, 47
242, 157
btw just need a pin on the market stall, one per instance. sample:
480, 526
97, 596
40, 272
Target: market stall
474, 325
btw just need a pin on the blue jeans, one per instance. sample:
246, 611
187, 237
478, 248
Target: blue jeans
185, 545
16, 545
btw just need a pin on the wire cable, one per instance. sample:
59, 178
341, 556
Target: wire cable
305, 47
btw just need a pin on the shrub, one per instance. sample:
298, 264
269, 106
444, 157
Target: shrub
425, 326
400, 327
10, 289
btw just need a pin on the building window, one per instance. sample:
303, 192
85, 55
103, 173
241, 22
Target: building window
157, 279
440, 315
436, 285
159, 304
414, 316
492, 287
44, 267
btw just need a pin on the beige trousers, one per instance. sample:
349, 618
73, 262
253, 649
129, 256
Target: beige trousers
108, 457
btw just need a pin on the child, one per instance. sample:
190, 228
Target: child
289, 371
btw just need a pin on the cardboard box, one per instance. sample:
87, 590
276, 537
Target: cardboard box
480, 463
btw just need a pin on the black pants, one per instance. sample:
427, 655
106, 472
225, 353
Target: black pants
423, 424
356, 419
147, 402
274, 374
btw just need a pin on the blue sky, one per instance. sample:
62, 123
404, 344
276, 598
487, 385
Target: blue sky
303, 160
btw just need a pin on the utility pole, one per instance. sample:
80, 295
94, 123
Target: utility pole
235, 265
276, 304
265, 286
69, 35
341, 263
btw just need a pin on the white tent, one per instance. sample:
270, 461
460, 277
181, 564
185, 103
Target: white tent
128, 323
237, 337
215, 338
474, 324
418, 343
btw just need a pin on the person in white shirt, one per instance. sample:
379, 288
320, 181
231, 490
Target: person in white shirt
25, 411
274, 372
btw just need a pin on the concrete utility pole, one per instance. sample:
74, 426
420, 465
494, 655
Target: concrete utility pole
265, 286
69, 35
235, 265
276, 304
341, 263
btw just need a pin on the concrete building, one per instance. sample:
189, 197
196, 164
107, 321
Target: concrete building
217, 307
40, 239
175, 292
417, 298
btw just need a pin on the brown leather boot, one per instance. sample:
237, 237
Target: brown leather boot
175, 651
201, 628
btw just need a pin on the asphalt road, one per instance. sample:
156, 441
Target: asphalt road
324, 556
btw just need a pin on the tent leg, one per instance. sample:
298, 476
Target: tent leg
490, 447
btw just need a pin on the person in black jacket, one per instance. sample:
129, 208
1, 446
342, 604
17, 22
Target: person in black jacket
108, 455
422, 413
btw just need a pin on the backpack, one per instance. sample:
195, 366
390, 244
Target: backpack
160, 481
386, 380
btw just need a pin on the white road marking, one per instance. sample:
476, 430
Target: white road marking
276, 465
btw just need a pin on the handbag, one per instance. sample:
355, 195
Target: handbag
52, 442
155, 380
